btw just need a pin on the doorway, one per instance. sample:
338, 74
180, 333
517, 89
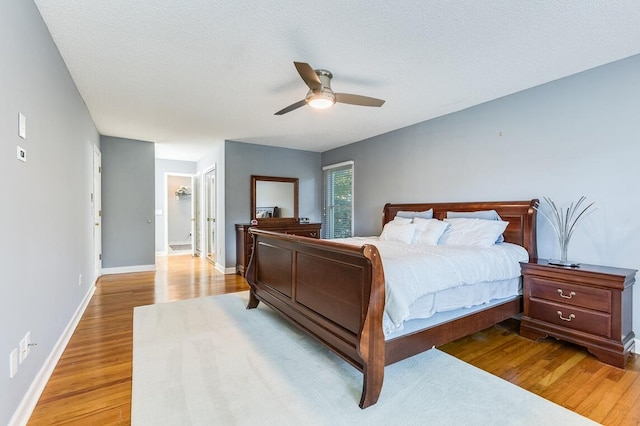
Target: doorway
179, 213
209, 190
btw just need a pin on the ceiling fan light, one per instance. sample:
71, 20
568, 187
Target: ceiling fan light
321, 100
320, 103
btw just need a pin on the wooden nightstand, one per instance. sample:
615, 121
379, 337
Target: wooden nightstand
589, 305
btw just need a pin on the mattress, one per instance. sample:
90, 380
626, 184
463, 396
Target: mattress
423, 280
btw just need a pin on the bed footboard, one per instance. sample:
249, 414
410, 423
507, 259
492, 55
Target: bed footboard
333, 291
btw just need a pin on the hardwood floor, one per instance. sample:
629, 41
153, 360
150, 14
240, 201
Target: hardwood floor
91, 384
557, 371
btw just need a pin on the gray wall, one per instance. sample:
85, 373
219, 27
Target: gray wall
576, 136
128, 199
163, 167
46, 226
243, 160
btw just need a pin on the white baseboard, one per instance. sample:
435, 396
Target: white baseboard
30, 399
636, 349
127, 269
225, 271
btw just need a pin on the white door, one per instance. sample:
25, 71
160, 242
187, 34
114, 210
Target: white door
210, 214
96, 198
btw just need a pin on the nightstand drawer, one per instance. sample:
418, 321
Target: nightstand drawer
592, 322
570, 294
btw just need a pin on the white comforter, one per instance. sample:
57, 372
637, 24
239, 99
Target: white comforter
412, 271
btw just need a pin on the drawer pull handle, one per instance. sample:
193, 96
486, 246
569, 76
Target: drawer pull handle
313, 234
571, 316
573, 293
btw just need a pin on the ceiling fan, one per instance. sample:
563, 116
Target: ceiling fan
320, 94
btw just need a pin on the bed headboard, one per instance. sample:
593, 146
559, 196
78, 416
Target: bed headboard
521, 216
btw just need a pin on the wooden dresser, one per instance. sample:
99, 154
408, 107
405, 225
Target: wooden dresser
590, 306
244, 242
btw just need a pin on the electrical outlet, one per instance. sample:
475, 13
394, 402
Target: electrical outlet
13, 363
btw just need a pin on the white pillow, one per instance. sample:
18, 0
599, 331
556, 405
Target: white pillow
402, 220
427, 214
393, 231
472, 232
428, 231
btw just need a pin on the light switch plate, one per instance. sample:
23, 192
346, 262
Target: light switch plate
21, 154
13, 363
22, 126
22, 354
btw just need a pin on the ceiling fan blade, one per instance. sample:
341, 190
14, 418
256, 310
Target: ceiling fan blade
348, 98
309, 76
291, 107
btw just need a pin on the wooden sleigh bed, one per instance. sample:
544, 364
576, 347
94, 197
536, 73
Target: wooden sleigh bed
336, 292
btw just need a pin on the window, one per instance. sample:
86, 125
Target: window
337, 190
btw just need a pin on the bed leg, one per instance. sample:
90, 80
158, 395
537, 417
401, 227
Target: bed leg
253, 300
371, 344
372, 386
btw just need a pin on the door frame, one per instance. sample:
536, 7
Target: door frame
96, 212
327, 207
204, 206
196, 208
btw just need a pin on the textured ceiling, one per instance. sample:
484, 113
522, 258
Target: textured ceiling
186, 73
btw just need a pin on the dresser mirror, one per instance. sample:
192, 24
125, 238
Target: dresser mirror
274, 199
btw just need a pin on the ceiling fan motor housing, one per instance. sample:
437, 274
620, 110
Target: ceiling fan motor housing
324, 97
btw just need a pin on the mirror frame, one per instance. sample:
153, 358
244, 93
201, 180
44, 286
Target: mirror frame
255, 179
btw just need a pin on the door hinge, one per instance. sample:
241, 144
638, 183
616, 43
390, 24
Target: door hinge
99, 213
100, 256
99, 169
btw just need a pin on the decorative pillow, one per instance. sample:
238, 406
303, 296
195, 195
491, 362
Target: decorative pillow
402, 220
428, 231
472, 232
398, 232
480, 214
427, 214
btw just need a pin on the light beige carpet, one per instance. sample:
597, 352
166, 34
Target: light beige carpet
209, 361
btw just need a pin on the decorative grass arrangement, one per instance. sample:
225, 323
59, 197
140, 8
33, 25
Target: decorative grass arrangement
564, 222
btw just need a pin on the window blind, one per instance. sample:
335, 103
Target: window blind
337, 189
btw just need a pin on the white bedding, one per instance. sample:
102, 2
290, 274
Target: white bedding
414, 271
